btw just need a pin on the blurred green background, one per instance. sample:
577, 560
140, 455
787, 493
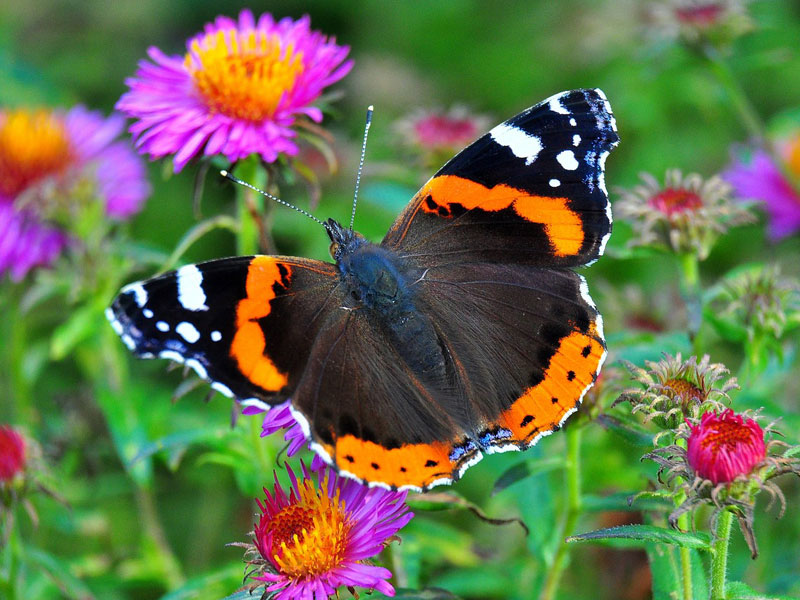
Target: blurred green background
124, 464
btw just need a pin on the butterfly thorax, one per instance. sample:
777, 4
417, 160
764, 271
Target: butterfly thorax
379, 282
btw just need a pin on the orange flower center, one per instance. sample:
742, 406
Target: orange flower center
674, 201
243, 74
33, 145
727, 436
684, 389
310, 537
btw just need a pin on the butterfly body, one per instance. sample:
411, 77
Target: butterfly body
466, 331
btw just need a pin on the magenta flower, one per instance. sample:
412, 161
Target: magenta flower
50, 161
320, 535
238, 90
724, 446
12, 453
760, 179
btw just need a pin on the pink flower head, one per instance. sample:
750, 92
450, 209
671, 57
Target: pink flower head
724, 446
238, 89
320, 535
48, 161
760, 179
12, 453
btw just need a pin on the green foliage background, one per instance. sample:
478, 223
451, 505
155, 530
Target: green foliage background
156, 489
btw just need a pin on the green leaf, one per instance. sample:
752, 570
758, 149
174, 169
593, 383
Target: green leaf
640, 535
665, 570
204, 585
523, 470
78, 327
59, 572
737, 590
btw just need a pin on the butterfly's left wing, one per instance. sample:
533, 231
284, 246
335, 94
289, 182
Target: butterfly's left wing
531, 191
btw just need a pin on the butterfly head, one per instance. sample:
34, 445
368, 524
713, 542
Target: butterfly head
343, 240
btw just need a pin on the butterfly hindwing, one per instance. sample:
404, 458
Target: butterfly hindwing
531, 191
247, 324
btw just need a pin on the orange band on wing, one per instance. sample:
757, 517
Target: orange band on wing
417, 465
561, 224
570, 373
248, 343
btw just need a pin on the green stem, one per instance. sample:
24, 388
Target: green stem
683, 524
249, 205
195, 233
169, 563
258, 444
690, 290
719, 556
572, 493
749, 115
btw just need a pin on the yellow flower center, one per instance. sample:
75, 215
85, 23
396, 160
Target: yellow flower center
243, 74
33, 145
310, 537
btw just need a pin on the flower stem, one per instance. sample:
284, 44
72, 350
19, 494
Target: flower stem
719, 556
750, 117
684, 553
572, 497
690, 290
249, 205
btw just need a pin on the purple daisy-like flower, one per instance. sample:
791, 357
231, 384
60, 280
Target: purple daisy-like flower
320, 535
50, 161
761, 179
238, 90
25, 243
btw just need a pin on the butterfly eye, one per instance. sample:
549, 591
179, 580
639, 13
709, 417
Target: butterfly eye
334, 249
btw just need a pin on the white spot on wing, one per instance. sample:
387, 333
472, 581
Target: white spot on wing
162, 326
576, 140
138, 291
567, 160
190, 288
198, 368
188, 332
216, 336
255, 402
555, 183
147, 313
171, 355
521, 144
222, 389
556, 105
573, 122
128, 341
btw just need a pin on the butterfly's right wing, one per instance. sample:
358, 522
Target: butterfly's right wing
247, 323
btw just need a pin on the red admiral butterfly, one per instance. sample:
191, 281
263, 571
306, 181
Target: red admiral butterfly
464, 332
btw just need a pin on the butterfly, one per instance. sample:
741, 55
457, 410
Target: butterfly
464, 332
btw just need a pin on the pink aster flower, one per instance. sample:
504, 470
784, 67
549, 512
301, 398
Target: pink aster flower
761, 179
321, 535
724, 446
238, 90
50, 161
12, 453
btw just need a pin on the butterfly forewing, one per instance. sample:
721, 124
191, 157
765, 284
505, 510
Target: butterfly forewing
531, 191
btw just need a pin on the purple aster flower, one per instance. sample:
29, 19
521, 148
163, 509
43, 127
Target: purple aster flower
320, 535
50, 162
26, 243
238, 90
759, 178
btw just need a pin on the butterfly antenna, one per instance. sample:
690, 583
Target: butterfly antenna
370, 109
228, 175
